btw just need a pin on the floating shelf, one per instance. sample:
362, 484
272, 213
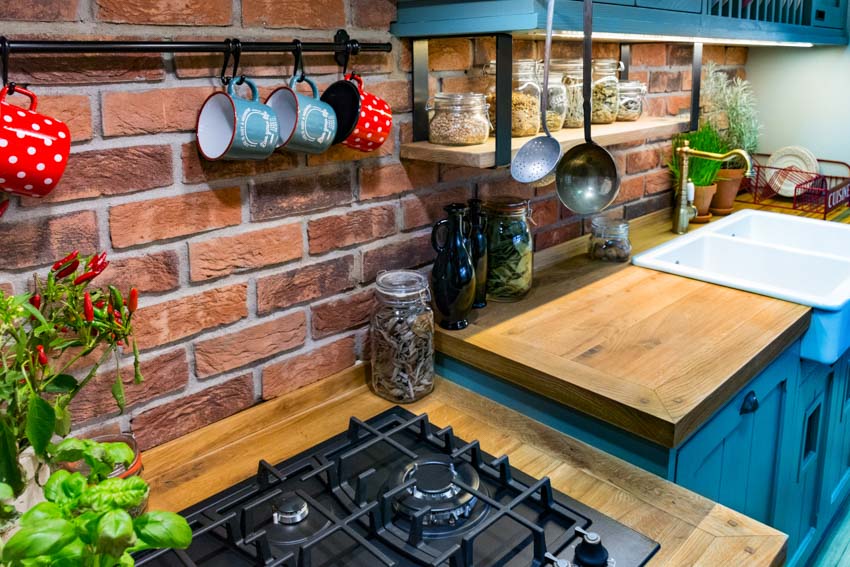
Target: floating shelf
484, 155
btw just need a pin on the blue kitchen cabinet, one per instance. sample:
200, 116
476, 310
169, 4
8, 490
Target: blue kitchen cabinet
829, 13
836, 474
693, 6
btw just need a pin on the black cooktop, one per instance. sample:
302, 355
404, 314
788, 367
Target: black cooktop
396, 490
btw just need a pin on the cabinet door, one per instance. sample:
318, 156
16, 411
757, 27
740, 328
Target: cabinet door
836, 475
693, 6
829, 13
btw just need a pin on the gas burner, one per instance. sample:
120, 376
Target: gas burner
289, 509
436, 487
292, 522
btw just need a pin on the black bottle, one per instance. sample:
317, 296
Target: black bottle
478, 249
453, 275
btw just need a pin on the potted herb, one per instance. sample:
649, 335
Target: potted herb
731, 107
702, 172
43, 335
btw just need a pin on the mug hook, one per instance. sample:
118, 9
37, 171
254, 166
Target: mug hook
299, 61
237, 54
228, 51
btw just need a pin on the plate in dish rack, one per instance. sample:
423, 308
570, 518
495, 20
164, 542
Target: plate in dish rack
792, 164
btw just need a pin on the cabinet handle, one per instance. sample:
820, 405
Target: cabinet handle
751, 403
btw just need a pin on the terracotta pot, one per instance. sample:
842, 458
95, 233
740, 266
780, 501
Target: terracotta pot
702, 198
728, 184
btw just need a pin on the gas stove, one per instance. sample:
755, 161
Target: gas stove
397, 490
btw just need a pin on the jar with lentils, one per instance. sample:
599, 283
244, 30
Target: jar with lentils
458, 119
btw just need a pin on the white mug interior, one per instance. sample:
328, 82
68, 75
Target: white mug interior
216, 126
284, 103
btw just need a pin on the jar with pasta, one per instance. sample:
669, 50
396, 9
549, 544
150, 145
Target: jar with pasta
458, 119
509, 248
605, 94
402, 337
525, 98
571, 73
632, 96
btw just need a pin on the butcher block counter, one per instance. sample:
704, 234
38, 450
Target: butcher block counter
651, 353
691, 529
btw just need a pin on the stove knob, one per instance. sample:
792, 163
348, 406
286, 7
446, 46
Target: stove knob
590, 552
556, 562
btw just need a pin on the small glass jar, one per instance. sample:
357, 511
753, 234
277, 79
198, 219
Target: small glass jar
632, 96
571, 72
458, 119
605, 97
525, 98
556, 109
509, 248
609, 240
402, 337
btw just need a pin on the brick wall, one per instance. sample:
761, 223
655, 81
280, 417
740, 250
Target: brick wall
256, 277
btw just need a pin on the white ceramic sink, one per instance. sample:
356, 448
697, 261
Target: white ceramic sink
793, 258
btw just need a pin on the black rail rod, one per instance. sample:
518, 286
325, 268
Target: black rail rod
59, 47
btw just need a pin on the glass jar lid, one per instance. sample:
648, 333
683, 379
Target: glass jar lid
609, 228
507, 205
402, 285
518, 67
460, 101
632, 88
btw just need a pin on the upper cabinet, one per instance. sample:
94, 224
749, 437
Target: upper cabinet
819, 22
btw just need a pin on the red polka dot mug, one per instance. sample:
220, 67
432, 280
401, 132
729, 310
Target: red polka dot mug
34, 148
365, 120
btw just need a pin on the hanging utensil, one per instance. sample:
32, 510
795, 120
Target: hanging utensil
536, 161
587, 175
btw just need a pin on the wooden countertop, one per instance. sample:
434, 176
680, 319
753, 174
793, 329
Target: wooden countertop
691, 529
650, 352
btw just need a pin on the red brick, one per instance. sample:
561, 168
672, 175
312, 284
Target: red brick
199, 170
396, 93
317, 14
411, 253
658, 181
678, 104
631, 189
465, 84
295, 195
606, 50
340, 153
225, 255
648, 205
40, 241
170, 217
214, 356
713, 54
485, 50
82, 69
421, 210
193, 65
505, 187
40, 11
303, 369
153, 111
641, 160
548, 238
166, 12
386, 180
649, 55
687, 80
304, 284
154, 273
162, 374
74, 110
642, 76
451, 54
338, 315
175, 319
189, 413
665, 81
656, 106
338, 231
736, 55
546, 212
375, 14
103, 173
7, 288
449, 173
680, 54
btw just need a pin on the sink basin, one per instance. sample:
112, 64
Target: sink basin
797, 259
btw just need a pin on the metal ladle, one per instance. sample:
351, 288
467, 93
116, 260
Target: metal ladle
535, 162
587, 175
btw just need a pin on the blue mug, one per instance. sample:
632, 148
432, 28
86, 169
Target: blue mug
307, 124
232, 127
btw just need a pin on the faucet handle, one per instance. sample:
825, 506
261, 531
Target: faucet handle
691, 191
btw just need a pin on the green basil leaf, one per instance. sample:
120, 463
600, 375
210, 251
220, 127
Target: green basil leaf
47, 538
115, 532
53, 487
6, 492
125, 493
160, 529
61, 384
119, 453
87, 526
10, 473
72, 555
63, 487
69, 450
40, 512
41, 419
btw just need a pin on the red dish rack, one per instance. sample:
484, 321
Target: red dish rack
815, 193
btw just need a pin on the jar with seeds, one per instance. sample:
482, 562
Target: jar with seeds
556, 109
571, 73
605, 95
402, 336
632, 96
525, 98
458, 119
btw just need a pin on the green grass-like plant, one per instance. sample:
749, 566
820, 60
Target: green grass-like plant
701, 171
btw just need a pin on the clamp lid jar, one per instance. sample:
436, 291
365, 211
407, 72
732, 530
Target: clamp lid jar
609, 240
459, 119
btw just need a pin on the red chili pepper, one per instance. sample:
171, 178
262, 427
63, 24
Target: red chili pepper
83, 278
133, 301
99, 304
88, 308
42, 358
97, 263
72, 256
35, 301
68, 270
119, 343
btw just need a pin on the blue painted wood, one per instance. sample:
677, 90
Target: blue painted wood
836, 476
693, 6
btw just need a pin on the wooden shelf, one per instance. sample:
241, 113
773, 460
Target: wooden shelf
484, 155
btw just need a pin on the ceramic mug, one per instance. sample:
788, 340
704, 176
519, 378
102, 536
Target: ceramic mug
365, 120
34, 148
232, 127
306, 123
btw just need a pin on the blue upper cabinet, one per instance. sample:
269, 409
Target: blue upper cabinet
811, 21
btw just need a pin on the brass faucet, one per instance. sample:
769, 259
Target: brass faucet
685, 210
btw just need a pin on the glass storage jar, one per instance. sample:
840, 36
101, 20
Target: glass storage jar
609, 240
605, 97
509, 248
556, 109
458, 119
525, 98
402, 337
571, 70
632, 95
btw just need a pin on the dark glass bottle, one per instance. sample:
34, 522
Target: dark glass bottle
453, 275
478, 249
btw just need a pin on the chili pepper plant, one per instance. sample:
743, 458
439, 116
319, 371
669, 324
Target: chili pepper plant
43, 336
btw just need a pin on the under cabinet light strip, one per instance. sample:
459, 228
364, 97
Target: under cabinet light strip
638, 37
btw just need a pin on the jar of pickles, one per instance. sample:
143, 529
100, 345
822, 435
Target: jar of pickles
509, 248
609, 240
525, 98
571, 73
458, 119
605, 97
402, 337
556, 109
632, 96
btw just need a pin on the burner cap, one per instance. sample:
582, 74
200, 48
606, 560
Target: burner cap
436, 479
289, 509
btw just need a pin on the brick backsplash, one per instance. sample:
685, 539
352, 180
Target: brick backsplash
256, 277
